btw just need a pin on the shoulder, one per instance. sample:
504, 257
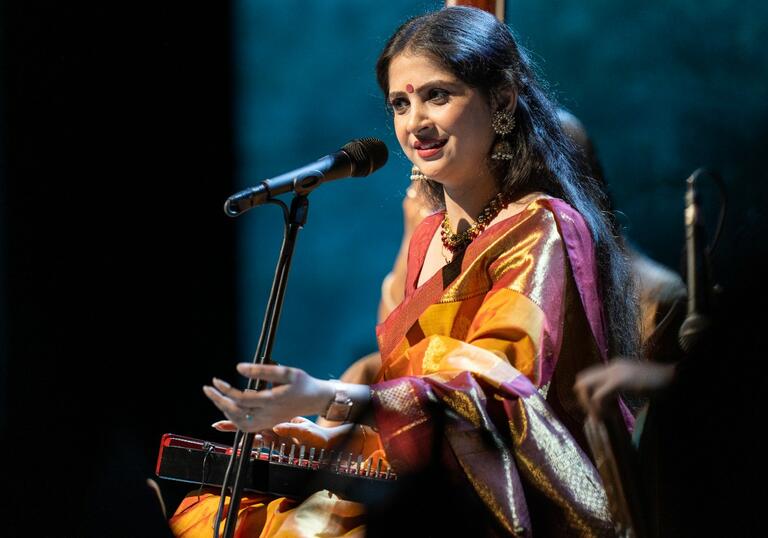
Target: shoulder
417, 249
428, 223
422, 234
545, 217
525, 244
541, 239
656, 282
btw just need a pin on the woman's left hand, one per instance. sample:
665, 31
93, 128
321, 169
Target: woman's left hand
298, 393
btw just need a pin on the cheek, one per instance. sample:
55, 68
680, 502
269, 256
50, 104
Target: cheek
401, 132
483, 139
473, 134
483, 128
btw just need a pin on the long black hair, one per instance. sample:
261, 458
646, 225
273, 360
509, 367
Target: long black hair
482, 52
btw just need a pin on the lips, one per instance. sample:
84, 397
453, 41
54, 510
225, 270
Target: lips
428, 147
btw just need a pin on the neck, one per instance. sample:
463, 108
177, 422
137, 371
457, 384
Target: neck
464, 204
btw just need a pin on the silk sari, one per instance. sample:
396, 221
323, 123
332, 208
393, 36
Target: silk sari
494, 339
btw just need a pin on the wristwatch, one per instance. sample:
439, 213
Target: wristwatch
340, 407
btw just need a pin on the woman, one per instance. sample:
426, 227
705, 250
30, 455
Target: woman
505, 300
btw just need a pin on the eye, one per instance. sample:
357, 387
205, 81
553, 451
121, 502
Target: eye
438, 96
399, 105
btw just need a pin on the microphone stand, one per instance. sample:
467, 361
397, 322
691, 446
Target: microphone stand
295, 218
697, 326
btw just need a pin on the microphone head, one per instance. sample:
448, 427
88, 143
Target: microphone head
367, 155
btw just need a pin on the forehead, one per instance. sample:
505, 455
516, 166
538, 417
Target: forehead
417, 69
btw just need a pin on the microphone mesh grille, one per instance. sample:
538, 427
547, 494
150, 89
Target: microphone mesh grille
367, 155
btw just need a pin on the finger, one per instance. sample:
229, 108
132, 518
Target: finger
304, 431
248, 399
592, 375
266, 372
267, 436
224, 426
221, 385
582, 395
229, 391
295, 426
225, 404
288, 428
583, 385
588, 380
601, 394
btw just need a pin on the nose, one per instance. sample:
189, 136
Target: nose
418, 119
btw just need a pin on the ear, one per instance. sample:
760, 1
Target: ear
506, 99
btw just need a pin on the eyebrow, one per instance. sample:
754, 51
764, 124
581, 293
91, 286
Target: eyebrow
425, 85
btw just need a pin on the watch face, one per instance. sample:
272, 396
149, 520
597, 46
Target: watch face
340, 406
339, 410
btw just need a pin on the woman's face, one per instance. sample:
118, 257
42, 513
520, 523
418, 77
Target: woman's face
442, 124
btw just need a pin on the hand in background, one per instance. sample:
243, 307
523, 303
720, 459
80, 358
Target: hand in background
596, 384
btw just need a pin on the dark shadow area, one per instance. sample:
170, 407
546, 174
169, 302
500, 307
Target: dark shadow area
118, 262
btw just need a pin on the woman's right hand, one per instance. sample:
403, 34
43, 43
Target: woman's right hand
300, 431
304, 431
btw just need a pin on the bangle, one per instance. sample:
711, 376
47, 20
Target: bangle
340, 407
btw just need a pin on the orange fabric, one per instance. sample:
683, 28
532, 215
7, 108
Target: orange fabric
263, 516
504, 305
504, 331
195, 515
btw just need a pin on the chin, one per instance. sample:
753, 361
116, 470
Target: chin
432, 169
440, 173
435, 175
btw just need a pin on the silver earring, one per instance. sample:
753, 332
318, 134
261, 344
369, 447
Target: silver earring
417, 175
503, 123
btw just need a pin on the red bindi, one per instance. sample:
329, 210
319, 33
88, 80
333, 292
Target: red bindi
409, 88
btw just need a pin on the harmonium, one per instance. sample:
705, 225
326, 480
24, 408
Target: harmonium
283, 470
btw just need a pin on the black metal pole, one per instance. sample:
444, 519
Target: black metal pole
295, 219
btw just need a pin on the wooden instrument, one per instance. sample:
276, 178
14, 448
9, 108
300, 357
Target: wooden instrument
491, 6
616, 463
285, 471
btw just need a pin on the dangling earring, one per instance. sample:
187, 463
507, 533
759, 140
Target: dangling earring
417, 175
503, 123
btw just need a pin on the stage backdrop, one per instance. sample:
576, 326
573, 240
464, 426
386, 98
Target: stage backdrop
663, 87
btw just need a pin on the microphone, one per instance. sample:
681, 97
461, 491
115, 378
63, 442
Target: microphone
697, 319
357, 158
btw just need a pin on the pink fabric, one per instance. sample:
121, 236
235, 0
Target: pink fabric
581, 253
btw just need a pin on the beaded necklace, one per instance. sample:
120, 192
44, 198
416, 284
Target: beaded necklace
456, 242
